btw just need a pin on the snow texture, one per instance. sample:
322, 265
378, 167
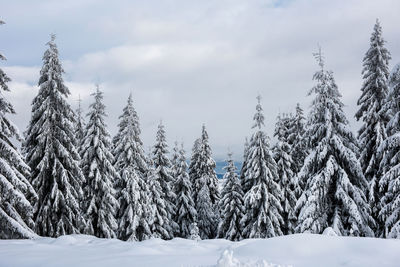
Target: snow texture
299, 250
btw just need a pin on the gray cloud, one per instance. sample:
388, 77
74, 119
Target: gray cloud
194, 62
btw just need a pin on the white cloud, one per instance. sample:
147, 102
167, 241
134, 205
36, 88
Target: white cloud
195, 62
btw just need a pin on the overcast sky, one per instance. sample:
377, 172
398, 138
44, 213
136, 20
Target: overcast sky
193, 62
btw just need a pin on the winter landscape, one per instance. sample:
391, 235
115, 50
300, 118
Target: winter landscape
148, 148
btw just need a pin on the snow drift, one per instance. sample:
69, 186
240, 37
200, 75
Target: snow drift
293, 250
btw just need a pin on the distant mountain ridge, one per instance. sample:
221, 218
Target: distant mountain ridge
221, 164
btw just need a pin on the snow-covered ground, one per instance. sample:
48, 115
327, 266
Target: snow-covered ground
295, 250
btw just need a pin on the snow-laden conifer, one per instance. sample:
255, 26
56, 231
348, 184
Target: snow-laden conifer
100, 205
390, 164
175, 161
243, 170
160, 222
50, 148
186, 213
372, 132
333, 178
162, 167
297, 140
231, 204
134, 211
204, 180
263, 199
286, 176
16, 193
79, 124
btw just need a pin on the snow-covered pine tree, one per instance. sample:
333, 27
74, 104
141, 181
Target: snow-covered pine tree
160, 222
162, 167
79, 124
186, 213
372, 132
243, 181
100, 205
175, 161
204, 180
263, 200
287, 180
390, 164
16, 193
297, 140
333, 195
134, 213
193, 175
231, 204
51, 153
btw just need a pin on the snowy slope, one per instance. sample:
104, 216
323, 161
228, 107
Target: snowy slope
295, 250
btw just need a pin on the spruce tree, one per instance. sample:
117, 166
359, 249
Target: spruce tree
162, 167
287, 179
51, 153
16, 193
186, 213
160, 222
297, 140
263, 200
79, 124
372, 132
100, 205
132, 191
333, 178
231, 204
390, 164
243, 170
175, 161
205, 186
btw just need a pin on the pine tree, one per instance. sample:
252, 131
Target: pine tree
134, 213
79, 124
243, 170
287, 179
175, 161
100, 204
231, 204
186, 213
205, 186
51, 153
16, 193
333, 195
160, 222
390, 164
372, 133
297, 140
162, 167
262, 202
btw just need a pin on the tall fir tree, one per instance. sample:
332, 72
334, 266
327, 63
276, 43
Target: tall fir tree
175, 163
100, 205
390, 164
372, 132
333, 195
287, 180
134, 213
79, 124
243, 181
263, 200
297, 139
51, 153
162, 167
231, 204
186, 213
205, 186
160, 222
16, 193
